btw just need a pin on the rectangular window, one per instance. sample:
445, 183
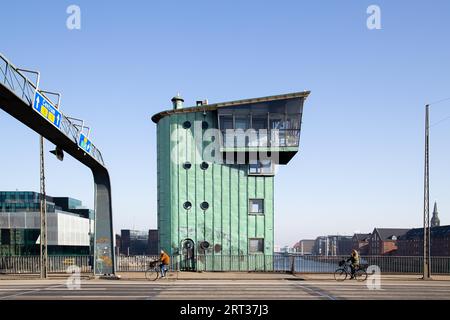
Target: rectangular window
264, 167
5, 236
227, 126
242, 122
277, 125
226, 122
256, 245
256, 206
259, 125
259, 121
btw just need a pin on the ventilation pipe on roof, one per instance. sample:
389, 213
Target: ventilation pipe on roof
177, 102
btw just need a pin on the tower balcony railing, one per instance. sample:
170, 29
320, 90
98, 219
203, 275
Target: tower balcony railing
275, 139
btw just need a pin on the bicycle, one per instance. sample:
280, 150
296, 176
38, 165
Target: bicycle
344, 271
153, 271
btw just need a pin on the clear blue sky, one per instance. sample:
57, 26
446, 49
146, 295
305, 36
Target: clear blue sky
361, 158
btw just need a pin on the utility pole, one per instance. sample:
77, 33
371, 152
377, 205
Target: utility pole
43, 207
426, 207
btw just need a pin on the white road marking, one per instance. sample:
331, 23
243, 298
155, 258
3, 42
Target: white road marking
26, 292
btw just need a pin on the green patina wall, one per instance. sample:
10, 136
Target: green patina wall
227, 189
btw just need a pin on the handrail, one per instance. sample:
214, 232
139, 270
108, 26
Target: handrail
13, 79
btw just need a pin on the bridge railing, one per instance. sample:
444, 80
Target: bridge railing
285, 263
13, 79
31, 264
236, 263
16, 81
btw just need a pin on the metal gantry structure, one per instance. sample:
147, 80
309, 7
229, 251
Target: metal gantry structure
17, 97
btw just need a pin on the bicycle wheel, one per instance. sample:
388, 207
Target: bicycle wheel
361, 275
340, 274
152, 274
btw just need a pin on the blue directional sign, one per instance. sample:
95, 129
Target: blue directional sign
47, 110
84, 143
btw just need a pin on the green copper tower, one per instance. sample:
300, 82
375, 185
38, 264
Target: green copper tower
216, 165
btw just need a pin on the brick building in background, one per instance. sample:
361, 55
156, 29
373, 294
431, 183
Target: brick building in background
383, 241
411, 243
360, 242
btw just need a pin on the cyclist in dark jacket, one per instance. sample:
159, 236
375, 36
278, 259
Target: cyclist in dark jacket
354, 262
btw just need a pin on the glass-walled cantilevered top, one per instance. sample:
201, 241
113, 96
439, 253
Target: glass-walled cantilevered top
267, 124
272, 126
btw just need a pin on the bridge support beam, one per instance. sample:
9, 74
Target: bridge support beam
104, 259
17, 100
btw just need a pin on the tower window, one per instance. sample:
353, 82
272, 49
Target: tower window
187, 165
256, 206
186, 125
187, 205
5, 236
256, 245
204, 165
204, 205
204, 245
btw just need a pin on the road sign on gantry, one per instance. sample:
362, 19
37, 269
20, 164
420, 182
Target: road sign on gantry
47, 110
84, 143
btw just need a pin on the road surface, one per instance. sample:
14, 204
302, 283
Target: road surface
221, 289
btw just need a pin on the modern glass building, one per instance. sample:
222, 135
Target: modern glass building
69, 225
216, 167
133, 242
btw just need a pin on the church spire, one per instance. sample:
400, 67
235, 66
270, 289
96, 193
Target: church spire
435, 222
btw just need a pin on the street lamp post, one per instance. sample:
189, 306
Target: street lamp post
426, 207
43, 214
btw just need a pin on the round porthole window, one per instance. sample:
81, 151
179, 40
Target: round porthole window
187, 165
187, 205
204, 205
204, 165
186, 124
205, 125
204, 245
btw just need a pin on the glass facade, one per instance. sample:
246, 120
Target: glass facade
134, 242
269, 124
69, 224
261, 168
23, 201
